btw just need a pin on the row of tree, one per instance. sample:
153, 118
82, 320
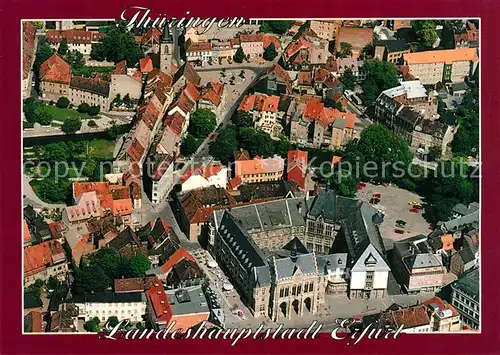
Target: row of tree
97, 272
201, 123
242, 134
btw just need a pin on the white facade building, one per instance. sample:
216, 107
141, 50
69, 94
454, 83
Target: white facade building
369, 275
131, 306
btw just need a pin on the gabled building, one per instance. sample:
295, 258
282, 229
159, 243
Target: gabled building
92, 91
244, 263
465, 297
78, 40
259, 170
417, 266
44, 260
447, 65
252, 44
213, 98
297, 169
55, 77
204, 176
264, 110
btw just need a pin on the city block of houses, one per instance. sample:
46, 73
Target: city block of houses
284, 246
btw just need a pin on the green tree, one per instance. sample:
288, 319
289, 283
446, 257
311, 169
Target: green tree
367, 51
44, 51
57, 152
201, 123
83, 108
114, 131
382, 156
38, 283
139, 326
239, 56
37, 24
94, 110
345, 50
43, 117
434, 153
54, 190
275, 26
466, 140
190, 145
75, 59
139, 265
92, 325
426, 32
63, 102
348, 79
29, 108
52, 283
71, 125
92, 123
108, 260
63, 47
91, 278
282, 146
242, 119
270, 53
380, 76
256, 142
112, 321
118, 44
225, 144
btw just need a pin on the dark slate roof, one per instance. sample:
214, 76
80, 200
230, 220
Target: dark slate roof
459, 86
361, 231
287, 267
144, 232
331, 262
465, 210
262, 276
331, 207
240, 243
187, 270
32, 301
94, 86
109, 297
469, 284
260, 190
269, 215
459, 223
127, 236
189, 73
397, 45
466, 254
296, 245
434, 239
29, 213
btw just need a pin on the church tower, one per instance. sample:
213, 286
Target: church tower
166, 50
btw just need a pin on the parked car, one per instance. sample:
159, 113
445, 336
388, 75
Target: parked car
399, 231
414, 210
418, 207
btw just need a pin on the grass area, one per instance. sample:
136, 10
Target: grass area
61, 114
42, 171
101, 148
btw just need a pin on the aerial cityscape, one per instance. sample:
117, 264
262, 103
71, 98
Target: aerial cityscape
274, 173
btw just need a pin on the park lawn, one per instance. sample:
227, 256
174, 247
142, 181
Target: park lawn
101, 148
61, 114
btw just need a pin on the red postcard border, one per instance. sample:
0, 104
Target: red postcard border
12, 342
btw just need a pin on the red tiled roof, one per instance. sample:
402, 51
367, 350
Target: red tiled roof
121, 67
26, 232
213, 93
162, 167
233, 184
321, 75
149, 114
246, 38
297, 174
313, 110
158, 301
145, 65
258, 166
336, 159
441, 305
411, 317
295, 46
283, 75
247, 103
175, 121
268, 39
151, 35
192, 46
305, 78
38, 257
29, 36
55, 70
297, 157
296, 167
192, 91
135, 150
235, 42
175, 258
242, 154
185, 103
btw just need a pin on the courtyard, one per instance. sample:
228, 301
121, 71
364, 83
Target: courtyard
394, 204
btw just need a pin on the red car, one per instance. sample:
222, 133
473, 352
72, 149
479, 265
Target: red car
360, 187
377, 195
414, 210
212, 136
399, 231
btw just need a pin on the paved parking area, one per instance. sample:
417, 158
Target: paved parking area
394, 203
